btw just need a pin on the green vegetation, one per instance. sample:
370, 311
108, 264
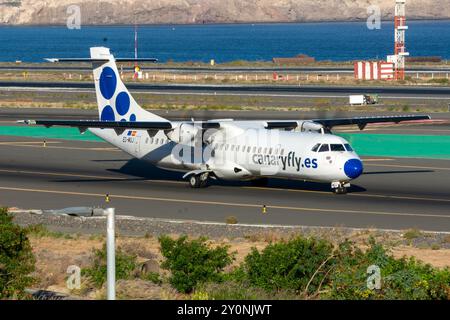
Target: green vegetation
412, 234
40, 231
193, 262
16, 258
307, 268
125, 266
299, 265
443, 81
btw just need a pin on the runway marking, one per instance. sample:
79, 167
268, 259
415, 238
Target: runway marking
352, 194
370, 160
60, 174
39, 145
408, 167
25, 143
244, 187
227, 204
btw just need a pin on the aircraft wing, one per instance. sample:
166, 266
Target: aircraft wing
86, 124
361, 122
118, 125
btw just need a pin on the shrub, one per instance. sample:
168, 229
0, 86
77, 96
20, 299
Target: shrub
404, 279
193, 262
412, 234
300, 264
153, 277
231, 220
16, 258
232, 290
125, 266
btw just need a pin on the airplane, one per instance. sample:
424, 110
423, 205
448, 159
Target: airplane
224, 149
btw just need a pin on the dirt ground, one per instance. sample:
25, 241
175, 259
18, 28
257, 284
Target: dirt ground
55, 254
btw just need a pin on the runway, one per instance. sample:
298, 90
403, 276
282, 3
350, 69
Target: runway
396, 92
392, 194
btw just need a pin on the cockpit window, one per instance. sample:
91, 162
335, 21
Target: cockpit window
348, 147
316, 147
337, 147
324, 148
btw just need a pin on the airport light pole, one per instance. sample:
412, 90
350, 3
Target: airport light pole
111, 254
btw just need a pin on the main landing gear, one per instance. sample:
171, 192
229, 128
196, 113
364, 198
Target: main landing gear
340, 187
197, 181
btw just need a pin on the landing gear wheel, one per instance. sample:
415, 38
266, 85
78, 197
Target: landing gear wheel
195, 182
204, 183
340, 190
199, 181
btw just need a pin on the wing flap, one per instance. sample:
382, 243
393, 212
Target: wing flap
362, 122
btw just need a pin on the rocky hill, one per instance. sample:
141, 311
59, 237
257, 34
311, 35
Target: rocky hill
25, 12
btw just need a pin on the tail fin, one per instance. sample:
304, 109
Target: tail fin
114, 101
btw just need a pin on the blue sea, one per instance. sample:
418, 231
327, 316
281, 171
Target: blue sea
223, 43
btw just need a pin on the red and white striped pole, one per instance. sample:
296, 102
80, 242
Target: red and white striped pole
400, 44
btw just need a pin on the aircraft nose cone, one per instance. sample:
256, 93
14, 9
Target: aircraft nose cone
353, 168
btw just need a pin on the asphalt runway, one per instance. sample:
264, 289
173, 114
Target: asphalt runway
392, 194
9, 116
400, 92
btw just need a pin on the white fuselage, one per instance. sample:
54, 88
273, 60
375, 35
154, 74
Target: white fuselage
244, 150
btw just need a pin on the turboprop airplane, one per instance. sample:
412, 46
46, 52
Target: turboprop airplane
220, 149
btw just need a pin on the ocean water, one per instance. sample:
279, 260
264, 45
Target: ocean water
324, 41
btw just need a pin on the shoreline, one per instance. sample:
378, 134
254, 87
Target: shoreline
231, 23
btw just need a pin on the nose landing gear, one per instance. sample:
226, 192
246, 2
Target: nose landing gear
340, 187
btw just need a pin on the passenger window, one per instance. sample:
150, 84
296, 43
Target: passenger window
146, 141
276, 151
282, 152
254, 149
232, 147
249, 149
259, 149
349, 148
337, 147
316, 148
151, 140
324, 148
270, 151
157, 141
238, 148
265, 150
226, 147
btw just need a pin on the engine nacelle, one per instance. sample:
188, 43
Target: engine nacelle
185, 133
310, 126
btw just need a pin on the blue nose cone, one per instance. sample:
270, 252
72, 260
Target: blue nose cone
353, 168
